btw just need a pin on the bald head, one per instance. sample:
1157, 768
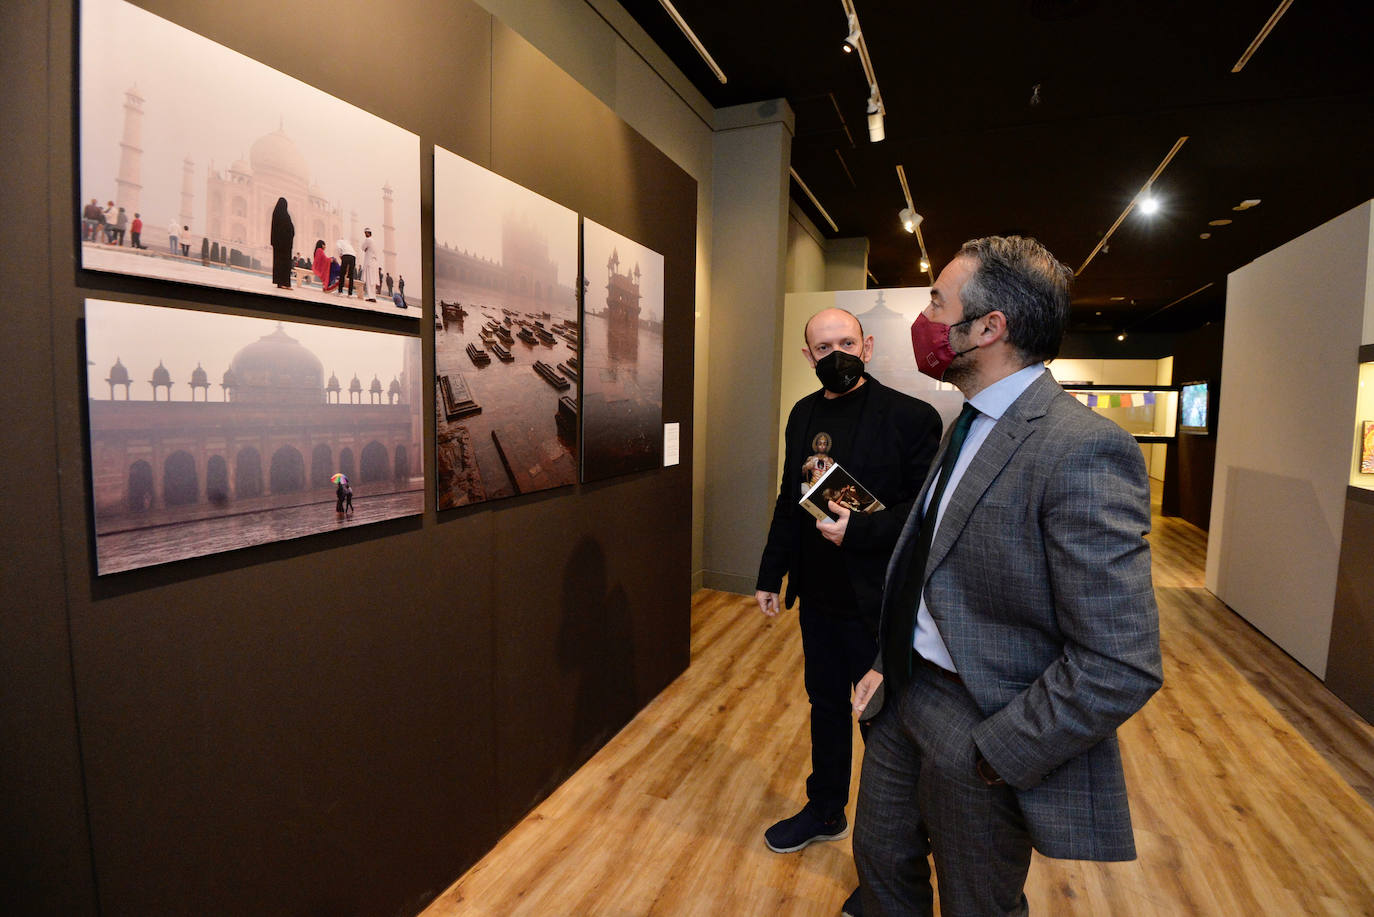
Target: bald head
832, 330
829, 321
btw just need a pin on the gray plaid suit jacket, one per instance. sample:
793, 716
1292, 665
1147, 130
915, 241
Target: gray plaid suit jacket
1039, 581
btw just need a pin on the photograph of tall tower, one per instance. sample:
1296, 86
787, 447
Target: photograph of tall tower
622, 350
211, 432
200, 165
506, 335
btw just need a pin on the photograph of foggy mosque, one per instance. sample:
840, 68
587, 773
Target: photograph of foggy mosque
887, 316
203, 166
506, 333
212, 432
622, 328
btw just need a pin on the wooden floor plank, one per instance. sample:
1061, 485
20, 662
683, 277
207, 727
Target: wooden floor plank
1251, 787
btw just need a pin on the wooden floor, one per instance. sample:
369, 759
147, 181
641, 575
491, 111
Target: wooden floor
1251, 787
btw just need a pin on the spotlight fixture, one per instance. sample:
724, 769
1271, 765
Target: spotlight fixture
1149, 204
1149, 182
851, 42
911, 221
1121, 336
858, 45
875, 117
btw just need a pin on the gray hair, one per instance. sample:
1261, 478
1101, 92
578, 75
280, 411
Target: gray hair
1018, 277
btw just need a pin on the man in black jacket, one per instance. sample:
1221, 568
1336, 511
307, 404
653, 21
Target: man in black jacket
885, 440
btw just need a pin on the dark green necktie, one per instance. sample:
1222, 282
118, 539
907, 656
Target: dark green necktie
898, 638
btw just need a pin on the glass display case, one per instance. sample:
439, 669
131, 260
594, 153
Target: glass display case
1147, 412
1362, 458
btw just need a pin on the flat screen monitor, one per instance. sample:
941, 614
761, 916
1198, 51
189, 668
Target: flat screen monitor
1194, 415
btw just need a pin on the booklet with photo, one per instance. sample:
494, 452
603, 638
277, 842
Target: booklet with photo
838, 485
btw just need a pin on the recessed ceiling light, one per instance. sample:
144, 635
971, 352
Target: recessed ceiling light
1247, 204
1205, 235
1149, 205
1121, 336
1099, 313
1218, 222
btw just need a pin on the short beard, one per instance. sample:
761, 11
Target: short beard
960, 370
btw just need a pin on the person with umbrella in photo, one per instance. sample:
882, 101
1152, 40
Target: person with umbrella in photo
340, 482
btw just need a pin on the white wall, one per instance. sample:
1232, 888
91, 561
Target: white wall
805, 253
752, 148
1289, 361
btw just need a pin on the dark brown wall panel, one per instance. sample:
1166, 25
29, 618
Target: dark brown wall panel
1348, 672
1190, 461
45, 863
310, 726
610, 563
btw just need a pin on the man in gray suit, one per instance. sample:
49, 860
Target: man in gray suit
1019, 627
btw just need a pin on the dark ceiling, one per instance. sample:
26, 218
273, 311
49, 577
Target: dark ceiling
1119, 84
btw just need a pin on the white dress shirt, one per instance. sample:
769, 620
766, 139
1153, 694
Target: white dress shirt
992, 402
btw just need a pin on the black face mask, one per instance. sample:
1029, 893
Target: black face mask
839, 371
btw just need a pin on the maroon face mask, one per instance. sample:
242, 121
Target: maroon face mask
930, 346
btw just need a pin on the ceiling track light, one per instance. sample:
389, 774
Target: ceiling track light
916, 222
692, 37
876, 130
1149, 204
876, 110
851, 42
1149, 182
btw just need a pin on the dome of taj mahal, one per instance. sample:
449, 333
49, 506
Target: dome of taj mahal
278, 152
278, 368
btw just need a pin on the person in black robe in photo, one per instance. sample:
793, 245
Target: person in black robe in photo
283, 237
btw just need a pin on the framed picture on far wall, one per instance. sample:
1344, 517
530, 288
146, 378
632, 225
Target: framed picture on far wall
1367, 448
622, 351
212, 432
200, 165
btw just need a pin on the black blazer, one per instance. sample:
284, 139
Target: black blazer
893, 446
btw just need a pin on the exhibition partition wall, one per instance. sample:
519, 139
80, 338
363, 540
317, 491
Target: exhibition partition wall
343, 722
1285, 434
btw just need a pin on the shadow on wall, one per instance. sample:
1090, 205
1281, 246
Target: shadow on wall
1278, 562
596, 646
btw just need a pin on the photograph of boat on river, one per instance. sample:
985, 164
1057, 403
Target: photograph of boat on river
506, 336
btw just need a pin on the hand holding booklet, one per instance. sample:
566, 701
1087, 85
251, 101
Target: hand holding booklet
838, 485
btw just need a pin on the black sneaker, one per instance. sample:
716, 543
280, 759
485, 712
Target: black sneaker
792, 834
853, 906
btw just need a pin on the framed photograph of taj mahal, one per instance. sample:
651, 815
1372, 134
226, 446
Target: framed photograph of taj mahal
622, 350
506, 336
200, 165
212, 432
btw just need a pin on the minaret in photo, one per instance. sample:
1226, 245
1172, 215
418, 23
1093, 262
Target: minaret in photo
188, 168
127, 183
388, 230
